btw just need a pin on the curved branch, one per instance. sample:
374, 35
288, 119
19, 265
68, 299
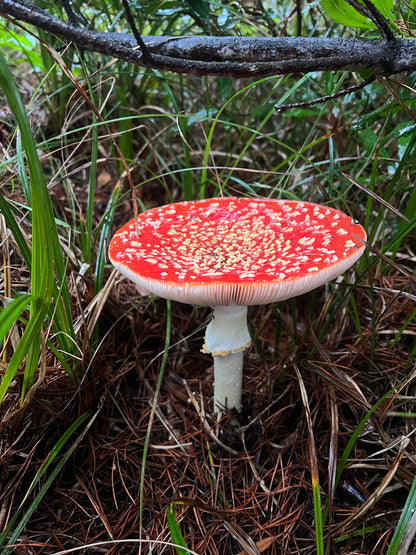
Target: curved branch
229, 56
369, 10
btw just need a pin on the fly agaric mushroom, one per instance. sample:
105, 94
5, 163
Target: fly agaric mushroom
231, 253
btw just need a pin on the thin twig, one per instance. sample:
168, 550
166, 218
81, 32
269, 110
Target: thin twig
371, 12
328, 97
379, 20
376, 197
129, 16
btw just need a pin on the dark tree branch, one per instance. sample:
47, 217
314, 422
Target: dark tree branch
379, 20
299, 17
231, 56
371, 12
129, 16
73, 18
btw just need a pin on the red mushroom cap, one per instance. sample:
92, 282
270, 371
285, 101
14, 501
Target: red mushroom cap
236, 251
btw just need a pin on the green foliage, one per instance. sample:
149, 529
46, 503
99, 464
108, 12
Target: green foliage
175, 531
200, 7
21, 43
403, 534
46, 253
11, 313
343, 13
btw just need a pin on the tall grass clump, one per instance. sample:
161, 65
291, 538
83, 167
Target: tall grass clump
45, 257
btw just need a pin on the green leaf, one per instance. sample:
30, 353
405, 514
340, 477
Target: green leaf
42, 270
200, 8
341, 12
385, 7
24, 43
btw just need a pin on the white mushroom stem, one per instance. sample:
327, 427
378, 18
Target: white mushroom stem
226, 338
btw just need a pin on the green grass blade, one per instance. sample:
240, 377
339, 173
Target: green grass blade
29, 342
42, 275
154, 407
175, 531
105, 224
398, 540
403, 328
316, 489
15, 229
8, 537
22, 170
42, 269
87, 238
11, 313
317, 510
254, 132
346, 453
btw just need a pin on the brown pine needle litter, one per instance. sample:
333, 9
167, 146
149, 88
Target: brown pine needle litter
234, 490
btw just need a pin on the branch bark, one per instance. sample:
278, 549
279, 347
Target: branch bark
229, 56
